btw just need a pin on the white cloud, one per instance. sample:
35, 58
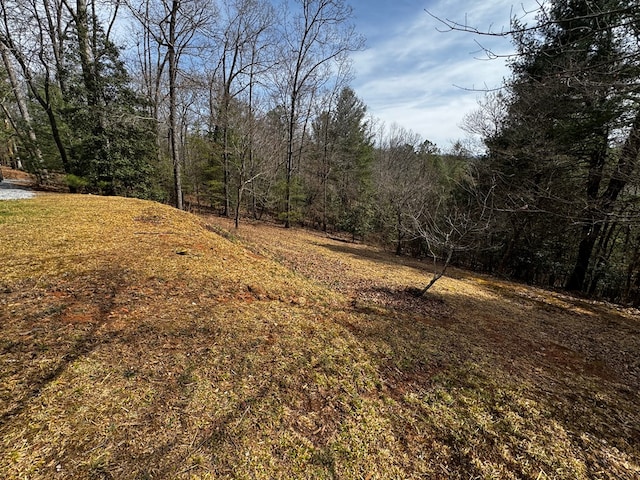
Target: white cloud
421, 78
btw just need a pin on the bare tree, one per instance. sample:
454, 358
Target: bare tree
447, 230
314, 39
401, 179
25, 115
176, 27
487, 120
34, 34
452, 215
243, 39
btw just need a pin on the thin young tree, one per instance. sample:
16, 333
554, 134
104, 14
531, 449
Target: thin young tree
450, 222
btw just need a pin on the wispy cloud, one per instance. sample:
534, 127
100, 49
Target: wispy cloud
424, 79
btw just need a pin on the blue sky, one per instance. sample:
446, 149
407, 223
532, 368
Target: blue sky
413, 75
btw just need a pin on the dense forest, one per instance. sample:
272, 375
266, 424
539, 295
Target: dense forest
244, 107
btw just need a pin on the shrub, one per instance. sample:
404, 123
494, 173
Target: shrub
75, 183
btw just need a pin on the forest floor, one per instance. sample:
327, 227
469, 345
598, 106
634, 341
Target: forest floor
143, 342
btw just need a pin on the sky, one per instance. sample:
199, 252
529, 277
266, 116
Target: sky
420, 78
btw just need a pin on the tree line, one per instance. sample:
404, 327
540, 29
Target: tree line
563, 140
244, 107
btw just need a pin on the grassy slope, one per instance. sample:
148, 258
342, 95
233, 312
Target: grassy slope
137, 343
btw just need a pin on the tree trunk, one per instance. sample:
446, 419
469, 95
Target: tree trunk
606, 204
437, 275
591, 230
173, 132
326, 169
399, 233
634, 263
602, 256
86, 54
585, 249
289, 165
237, 210
56, 29
226, 168
24, 110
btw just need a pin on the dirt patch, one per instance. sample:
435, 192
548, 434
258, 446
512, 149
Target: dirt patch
19, 175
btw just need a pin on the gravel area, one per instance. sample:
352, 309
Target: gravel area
14, 190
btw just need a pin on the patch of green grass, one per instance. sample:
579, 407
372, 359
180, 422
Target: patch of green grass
18, 211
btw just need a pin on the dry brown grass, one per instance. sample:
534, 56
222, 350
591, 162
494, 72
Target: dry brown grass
138, 343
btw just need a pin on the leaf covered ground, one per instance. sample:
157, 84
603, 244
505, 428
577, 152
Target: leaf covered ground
143, 342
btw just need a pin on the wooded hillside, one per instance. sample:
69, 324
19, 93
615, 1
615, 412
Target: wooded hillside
244, 108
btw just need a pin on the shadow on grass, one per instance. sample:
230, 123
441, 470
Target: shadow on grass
44, 333
529, 371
